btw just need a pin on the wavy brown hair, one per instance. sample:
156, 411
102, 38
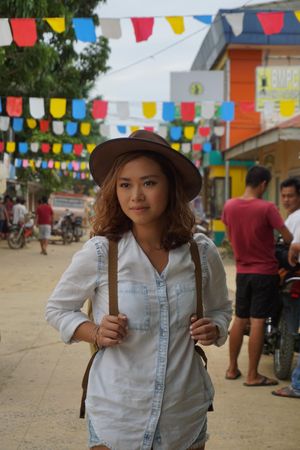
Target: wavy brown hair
110, 221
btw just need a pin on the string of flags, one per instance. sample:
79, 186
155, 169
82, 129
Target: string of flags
78, 169
23, 31
100, 109
46, 147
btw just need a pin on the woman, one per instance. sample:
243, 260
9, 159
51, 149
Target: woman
147, 386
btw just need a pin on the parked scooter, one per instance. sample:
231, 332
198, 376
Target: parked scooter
22, 233
77, 228
282, 339
64, 228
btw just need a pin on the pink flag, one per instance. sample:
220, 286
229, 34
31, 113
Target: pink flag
187, 111
14, 106
271, 22
149, 128
143, 27
99, 109
24, 32
1, 146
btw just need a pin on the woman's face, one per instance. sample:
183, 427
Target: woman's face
142, 191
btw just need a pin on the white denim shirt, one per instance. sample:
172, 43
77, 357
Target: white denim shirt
152, 390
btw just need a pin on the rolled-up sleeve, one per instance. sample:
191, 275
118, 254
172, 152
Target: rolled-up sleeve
78, 282
216, 304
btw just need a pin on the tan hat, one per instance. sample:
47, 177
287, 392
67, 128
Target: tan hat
105, 154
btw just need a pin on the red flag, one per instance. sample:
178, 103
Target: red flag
45, 147
78, 149
187, 111
247, 106
143, 27
149, 128
14, 106
24, 32
204, 131
197, 147
1, 146
44, 126
99, 109
271, 22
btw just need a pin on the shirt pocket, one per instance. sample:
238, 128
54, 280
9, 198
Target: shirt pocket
185, 304
134, 303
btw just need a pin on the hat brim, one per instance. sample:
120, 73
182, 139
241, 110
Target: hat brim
104, 155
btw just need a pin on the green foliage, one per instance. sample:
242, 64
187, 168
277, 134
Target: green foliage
56, 66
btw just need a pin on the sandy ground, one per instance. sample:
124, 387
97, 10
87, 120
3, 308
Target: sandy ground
40, 377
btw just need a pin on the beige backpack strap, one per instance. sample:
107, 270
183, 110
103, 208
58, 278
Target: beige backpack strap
198, 279
113, 310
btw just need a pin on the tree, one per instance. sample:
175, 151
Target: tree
53, 67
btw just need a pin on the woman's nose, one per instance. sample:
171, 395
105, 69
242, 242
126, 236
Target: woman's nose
138, 194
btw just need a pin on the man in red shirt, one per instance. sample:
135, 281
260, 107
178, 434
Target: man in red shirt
44, 216
250, 223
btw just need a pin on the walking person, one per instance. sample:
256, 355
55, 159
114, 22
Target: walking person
147, 388
44, 218
250, 223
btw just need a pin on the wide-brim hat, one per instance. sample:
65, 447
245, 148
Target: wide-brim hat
104, 155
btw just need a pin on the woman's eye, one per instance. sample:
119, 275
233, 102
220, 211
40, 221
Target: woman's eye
124, 185
150, 183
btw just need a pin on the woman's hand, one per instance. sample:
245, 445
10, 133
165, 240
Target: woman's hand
112, 331
204, 330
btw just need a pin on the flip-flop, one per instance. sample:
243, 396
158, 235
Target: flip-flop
265, 381
287, 391
238, 375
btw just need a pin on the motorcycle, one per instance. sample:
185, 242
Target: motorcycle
282, 336
77, 228
22, 233
64, 228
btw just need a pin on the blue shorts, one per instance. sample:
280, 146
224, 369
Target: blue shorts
94, 440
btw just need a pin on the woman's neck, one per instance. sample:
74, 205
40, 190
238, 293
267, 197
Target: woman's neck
150, 237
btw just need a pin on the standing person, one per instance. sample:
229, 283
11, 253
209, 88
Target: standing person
19, 211
290, 198
3, 218
147, 386
44, 218
250, 223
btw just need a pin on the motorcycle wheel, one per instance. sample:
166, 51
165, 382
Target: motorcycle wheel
284, 351
15, 241
67, 237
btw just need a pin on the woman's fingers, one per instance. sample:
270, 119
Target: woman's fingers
204, 330
113, 329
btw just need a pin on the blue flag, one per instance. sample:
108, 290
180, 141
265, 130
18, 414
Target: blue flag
71, 128
84, 29
175, 133
78, 109
168, 113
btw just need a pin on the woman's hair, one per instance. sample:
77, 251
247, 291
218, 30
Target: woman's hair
110, 221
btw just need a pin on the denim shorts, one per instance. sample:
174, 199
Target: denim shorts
94, 440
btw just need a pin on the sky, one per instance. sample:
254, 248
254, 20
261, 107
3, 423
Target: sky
150, 79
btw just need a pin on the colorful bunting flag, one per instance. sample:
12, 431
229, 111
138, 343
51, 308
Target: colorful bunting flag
45, 147
5, 33
143, 27
67, 148
175, 146
121, 129
207, 147
187, 111
111, 28
24, 32
58, 107
58, 127
99, 109
23, 147
14, 106
227, 111
149, 109
31, 123
84, 29
78, 109
71, 128
44, 126
177, 24
287, 107
36, 107
271, 22
10, 147
168, 112
204, 131
17, 124
56, 148
34, 147
56, 23
207, 109
78, 149
123, 110
189, 132
4, 123
236, 21
175, 133
204, 18
85, 128
90, 147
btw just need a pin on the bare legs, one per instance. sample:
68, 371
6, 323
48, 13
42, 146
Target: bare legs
44, 245
255, 345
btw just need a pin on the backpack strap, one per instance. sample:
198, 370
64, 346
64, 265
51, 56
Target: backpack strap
113, 310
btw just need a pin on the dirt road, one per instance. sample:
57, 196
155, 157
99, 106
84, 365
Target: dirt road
40, 376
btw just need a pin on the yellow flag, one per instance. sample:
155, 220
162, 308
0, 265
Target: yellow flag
189, 132
10, 146
132, 129
31, 163
57, 165
149, 109
176, 146
85, 128
56, 148
56, 23
82, 166
287, 107
297, 14
90, 147
58, 107
31, 123
177, 24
